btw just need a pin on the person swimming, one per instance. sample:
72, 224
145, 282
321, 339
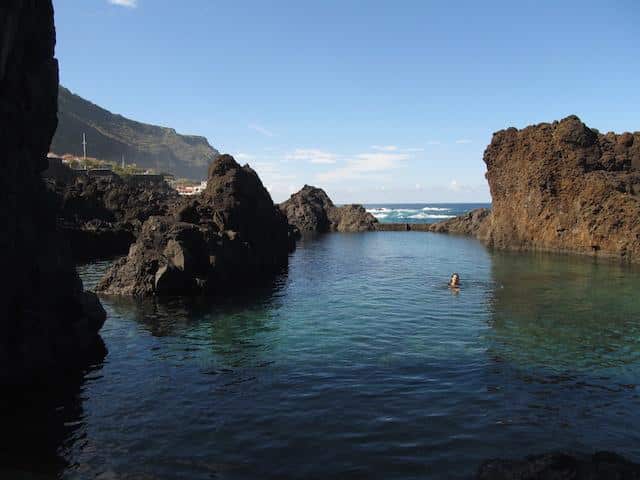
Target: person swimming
454, 282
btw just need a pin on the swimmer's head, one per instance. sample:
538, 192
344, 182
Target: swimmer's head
455, 279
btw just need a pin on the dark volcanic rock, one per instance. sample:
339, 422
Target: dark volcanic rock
230, 236
562, 186
311, 210
561, 466
101, 218
48, 325
473, 223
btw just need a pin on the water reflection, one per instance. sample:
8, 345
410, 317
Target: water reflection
40, 422
564, 314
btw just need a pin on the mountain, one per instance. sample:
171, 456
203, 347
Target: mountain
110, 136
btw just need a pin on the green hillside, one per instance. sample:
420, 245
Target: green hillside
110, 136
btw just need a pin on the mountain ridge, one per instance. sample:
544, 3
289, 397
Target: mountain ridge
111, 135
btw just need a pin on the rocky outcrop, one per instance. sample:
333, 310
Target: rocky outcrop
312, 211
102, 217
48, 325
232, 235
561, 466
563, 186
473, 223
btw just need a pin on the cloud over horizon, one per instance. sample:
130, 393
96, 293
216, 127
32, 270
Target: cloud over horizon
260, 129
124, 3
312, 155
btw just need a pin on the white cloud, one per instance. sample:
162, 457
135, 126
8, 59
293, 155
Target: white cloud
385, 148
258, 128
312, 155
244, 156
463, 141
364, 164
279, 184
454, 185
124, 3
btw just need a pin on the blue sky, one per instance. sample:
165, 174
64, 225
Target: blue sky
375, 101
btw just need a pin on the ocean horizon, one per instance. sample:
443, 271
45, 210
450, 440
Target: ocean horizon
420, 212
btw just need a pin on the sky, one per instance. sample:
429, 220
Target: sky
374, 101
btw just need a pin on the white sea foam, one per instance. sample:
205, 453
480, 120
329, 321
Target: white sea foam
435, 209
380, 215
427, 215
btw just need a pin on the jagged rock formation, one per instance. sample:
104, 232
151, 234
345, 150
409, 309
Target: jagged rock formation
47, 323
102, 217
232, 235
311, 210
562, 186
111, 136
561, 466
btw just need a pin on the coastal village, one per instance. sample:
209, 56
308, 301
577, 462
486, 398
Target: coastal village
67, 167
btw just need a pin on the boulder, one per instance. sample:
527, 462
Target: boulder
48, 324
232, 235
311, 211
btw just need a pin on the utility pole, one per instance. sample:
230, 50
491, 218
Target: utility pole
84, 147
123, 162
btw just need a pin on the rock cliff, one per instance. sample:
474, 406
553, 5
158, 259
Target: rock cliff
563, 186
48, 325
231, 236
311, 210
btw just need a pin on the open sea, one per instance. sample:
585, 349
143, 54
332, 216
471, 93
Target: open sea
420, 212
356, 362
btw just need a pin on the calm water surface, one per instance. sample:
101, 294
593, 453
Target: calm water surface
360, 363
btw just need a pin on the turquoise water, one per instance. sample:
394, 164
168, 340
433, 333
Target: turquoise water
420, 212
359, 362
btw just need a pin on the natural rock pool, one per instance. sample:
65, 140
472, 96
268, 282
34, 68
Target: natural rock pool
357, 362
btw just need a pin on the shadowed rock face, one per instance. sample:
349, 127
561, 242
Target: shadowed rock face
232, 235
561, 466
101, 218
562, 186
47, 323
311, 210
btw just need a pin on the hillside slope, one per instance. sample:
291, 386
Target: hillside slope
110, 136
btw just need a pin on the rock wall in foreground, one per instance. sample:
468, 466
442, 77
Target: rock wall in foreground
47, 323
312, 211
563, 186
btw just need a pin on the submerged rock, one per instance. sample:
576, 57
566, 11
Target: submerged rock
311, 210
563, 186
561, 466
48, 324
232, 235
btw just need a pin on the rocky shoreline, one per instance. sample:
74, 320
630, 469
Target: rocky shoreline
102, 217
